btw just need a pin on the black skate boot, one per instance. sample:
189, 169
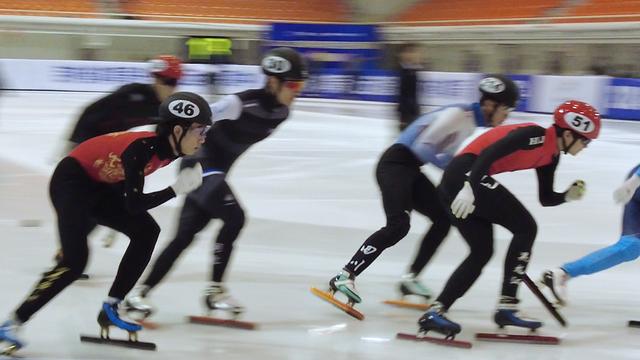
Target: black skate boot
507, 314
434, 320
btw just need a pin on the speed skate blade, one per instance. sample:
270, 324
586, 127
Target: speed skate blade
527, 339
207, 320
433, 340
140, 345
339, 304
149, 325
547, 304
407, 304
634, 323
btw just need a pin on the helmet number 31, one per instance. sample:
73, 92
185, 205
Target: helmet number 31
184, 109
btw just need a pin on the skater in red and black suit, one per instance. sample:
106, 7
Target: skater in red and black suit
477, 202
102, 181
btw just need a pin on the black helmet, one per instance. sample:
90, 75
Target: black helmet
185, 108
182, 109
285, 64
500, 89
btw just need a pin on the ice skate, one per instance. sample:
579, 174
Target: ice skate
411, 288
342, 283
508, 314
137, 305
9, 340
216, 298
139, 308
109, 317
556, 280
434, 320
543, 299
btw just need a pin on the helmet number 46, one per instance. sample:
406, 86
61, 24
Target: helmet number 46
184, 109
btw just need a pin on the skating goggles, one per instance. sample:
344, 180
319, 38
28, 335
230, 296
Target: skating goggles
296, 86
200, 130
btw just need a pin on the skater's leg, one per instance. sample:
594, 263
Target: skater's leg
72, 196
513, 216
427, 202
626, 249
396, 185
478, 233
192, 220
232, 215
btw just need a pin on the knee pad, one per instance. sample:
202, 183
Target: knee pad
629, 247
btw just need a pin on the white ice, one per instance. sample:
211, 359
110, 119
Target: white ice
311, 199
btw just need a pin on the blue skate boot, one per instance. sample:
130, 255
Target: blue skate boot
507, 315
434, 320
9, 341
109, 316
344, 283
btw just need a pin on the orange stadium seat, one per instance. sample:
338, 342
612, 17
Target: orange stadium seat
603, 11
245, 11
473, 12
66, 8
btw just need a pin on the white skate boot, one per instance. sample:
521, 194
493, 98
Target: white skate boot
216, 297
344, 283
556, 280
137, 305
410, 285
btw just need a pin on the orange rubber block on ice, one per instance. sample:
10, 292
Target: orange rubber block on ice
328, 297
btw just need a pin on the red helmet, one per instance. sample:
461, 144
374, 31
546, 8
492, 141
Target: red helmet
578, 117
167, 66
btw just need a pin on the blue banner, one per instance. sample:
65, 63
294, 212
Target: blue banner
372, 85
623, 99
524, 83
323, 32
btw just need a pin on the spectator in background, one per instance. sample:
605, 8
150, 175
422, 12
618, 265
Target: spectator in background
410, 58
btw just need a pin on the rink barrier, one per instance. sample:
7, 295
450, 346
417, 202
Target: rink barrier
617, 98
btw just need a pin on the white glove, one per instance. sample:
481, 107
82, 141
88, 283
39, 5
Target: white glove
462, 205
188, 179
575, 191
625, 192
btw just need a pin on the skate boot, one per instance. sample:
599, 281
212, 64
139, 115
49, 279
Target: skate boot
9, 341
109, 316
412, 286
434, 320
216, 297
137, 305
507, 314
556, 280
344, 283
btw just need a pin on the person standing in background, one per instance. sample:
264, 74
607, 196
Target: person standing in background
410, 58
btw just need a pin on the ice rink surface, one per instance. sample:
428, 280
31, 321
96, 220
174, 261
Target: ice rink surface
311, 200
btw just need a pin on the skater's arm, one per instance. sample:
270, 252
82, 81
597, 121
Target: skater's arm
438, 142
227, 108
98, 118
522, 138
546, 194
134, 160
